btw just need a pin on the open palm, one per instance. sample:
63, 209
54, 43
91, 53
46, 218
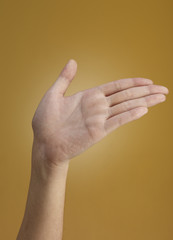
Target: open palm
66, 126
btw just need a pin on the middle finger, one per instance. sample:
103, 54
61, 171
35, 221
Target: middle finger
135, 92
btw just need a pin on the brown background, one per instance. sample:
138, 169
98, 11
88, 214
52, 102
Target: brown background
121, 188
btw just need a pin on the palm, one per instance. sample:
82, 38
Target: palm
76, 123
84, 116
67, 126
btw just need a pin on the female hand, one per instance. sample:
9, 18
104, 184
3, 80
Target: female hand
66, 126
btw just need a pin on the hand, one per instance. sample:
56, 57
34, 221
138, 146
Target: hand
66, 126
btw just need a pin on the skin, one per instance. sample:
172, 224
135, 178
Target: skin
64, 127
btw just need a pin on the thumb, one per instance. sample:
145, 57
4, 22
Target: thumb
65, 77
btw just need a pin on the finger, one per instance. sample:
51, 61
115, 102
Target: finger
135, 92
122, 84
147, 101
65, 77
123, 118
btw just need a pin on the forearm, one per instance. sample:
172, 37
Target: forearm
43, 218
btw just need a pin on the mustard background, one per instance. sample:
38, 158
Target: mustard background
122, 187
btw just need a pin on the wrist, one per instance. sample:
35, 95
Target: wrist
44, 167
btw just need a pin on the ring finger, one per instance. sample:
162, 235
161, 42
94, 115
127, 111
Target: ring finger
146, 101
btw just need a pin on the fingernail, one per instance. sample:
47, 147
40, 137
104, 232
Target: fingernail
167, 90
142, 111
162, 98
145, 110
150, 81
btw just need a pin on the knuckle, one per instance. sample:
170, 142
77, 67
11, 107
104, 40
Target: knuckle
117, 85
134, 81
150, 89
127, 94
133, 113
109, 101
109, 112
145, 101
126, 105
120, 121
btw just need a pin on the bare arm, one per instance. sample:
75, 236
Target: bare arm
43, 219
65, 127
